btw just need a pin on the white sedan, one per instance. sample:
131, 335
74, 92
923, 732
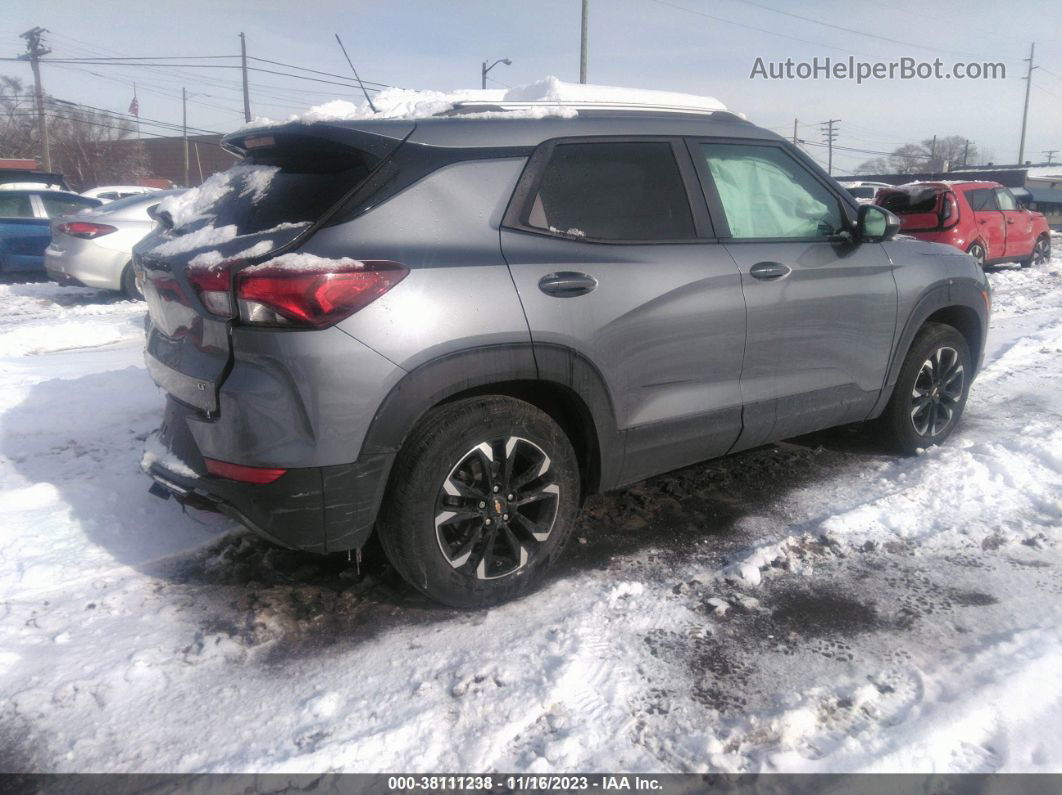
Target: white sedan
94, 248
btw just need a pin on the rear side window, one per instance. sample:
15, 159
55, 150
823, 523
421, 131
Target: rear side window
766, 194
15, 205
612, 191
981, 199
65, 205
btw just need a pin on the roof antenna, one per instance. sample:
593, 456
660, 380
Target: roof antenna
355, 71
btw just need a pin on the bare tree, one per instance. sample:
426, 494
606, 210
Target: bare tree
18, 125
89, 147
952, 149
95, 148
945, 153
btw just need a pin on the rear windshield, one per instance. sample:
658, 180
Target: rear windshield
862, 192
911, 201
293, 188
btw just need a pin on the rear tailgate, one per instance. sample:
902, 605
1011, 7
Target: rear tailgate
289, 180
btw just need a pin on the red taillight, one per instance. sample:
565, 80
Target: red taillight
948, 213
214, 286
312, 292
259, 475
85, 230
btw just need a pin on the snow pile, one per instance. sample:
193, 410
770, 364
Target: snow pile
208, 260
546, 97
817, 606
155, 452
196, 204
200, 238
307, 263
46, 318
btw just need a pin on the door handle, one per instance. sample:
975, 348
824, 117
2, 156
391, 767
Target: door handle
1010, 220
566, 284
769, 271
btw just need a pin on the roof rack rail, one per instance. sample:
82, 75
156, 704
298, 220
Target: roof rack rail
484, 106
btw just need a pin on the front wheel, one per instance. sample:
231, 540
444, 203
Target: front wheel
931, 392
482, 498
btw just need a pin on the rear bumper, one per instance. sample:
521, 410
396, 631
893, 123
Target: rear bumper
90, 265
316, 509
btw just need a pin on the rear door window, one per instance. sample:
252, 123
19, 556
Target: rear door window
766, 194
612, 191
981, 199
15, 205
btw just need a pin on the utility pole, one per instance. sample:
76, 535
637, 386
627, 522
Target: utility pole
1050, 155
184, 131
583, 41
831, 135
34, 50
795, 125
1025, 112
246, 93
965, 150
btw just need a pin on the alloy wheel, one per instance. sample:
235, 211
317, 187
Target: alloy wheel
497, 507
1041, 253
937, 391
977, 251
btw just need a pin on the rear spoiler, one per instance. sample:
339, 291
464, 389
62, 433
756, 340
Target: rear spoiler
265, 144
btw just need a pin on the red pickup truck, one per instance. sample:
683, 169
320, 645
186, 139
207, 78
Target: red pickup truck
981, 218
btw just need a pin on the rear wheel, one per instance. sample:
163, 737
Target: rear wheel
129, 286
977, 251
483, 496
1041, 253
931, 392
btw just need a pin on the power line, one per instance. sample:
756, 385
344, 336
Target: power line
858, 32
759, 30
315, 71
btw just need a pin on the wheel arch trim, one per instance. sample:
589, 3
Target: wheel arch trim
962, 297
539, 374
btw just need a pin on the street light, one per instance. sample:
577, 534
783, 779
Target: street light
486, 68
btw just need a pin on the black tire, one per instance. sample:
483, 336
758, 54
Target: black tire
470, 559
1041, 253
927, 403
129, 284
977, 251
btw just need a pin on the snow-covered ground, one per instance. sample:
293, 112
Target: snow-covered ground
809, 606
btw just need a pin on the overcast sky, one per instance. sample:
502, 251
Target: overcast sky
667, 44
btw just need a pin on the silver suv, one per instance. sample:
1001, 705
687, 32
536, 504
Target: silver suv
449, 331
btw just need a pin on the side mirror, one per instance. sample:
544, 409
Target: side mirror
876, 224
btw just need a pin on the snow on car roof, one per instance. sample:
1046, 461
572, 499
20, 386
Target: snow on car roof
544, 98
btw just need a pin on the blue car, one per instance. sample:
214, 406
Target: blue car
25, 230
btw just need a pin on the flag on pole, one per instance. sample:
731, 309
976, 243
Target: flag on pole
134, 107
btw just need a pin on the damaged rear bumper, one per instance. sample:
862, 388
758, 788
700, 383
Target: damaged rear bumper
316, 509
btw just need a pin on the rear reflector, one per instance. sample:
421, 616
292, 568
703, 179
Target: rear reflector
215, 288
313, 297
259, 475
85, 230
